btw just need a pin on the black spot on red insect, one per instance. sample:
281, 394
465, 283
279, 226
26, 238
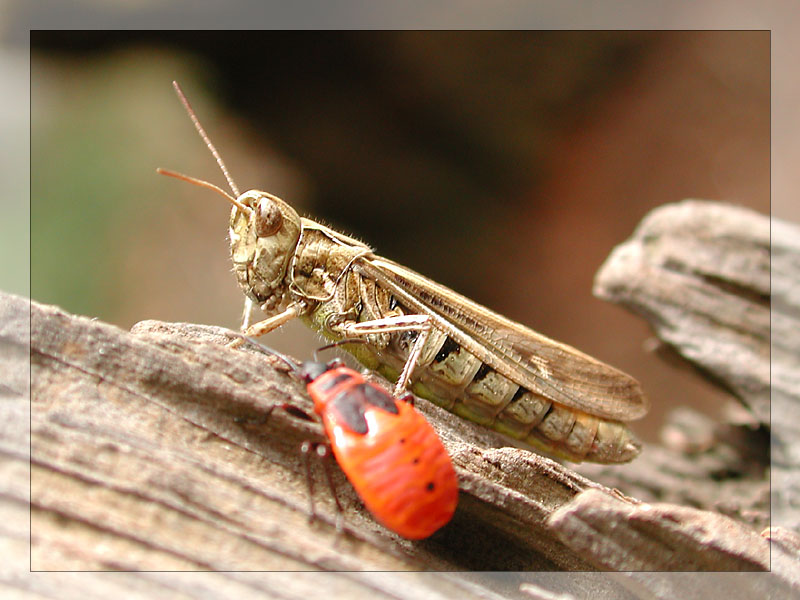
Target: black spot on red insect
331, 383
349, 411
377, 397
430, 487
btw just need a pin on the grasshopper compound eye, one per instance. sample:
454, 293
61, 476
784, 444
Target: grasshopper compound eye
268, 217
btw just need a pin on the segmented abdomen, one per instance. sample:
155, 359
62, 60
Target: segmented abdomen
457, 381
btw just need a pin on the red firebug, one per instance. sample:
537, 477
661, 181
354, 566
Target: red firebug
390, 453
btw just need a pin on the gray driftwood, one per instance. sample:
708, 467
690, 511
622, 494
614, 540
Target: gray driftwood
699, 272
150, 451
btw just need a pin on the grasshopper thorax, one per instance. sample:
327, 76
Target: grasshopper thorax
264, 232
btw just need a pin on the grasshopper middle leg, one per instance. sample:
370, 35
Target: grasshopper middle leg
420, 323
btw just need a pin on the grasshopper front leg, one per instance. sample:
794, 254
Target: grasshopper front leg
272, 323
247, 312
420, 323
267, 325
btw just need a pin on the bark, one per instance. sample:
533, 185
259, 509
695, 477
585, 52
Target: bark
157, 450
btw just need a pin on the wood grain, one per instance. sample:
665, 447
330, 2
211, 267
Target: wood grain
149, 452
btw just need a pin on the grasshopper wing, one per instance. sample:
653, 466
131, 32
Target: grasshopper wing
529, 359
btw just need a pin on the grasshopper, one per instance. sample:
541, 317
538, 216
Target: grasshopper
422, 335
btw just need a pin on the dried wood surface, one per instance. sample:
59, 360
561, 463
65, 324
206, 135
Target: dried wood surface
699, 272
149, 452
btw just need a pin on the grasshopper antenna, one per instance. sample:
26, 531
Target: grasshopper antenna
206, 139
245, 209
292, 364
339, 343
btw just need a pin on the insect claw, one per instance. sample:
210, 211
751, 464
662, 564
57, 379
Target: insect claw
322, 451
325, 453
305, 449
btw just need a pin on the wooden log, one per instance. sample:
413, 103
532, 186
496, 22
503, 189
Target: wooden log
147, 453
719, 285
160, 420
699, 272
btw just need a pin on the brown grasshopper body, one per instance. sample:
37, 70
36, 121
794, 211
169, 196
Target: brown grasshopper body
441, 345
329, 280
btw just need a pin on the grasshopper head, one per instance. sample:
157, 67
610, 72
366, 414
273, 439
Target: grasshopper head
264, 231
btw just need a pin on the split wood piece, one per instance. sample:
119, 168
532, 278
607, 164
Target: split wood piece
661, 537
150, 443
720, 285
146, 443
699, 272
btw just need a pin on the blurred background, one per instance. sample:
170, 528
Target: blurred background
505, 165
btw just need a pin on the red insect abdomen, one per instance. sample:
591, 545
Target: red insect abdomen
399, 466
401, 471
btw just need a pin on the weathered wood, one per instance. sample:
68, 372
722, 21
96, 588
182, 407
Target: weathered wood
144, 440
719, 284
662, 537
699, 272
160, 425
149, 452
714, 466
